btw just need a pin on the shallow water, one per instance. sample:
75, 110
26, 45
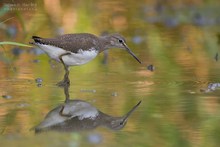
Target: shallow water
177, 108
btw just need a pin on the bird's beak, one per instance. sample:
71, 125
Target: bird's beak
131, 53
131, 111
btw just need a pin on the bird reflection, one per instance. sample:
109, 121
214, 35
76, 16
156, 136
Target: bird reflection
79, 115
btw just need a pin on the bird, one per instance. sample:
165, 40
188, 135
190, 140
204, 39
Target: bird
79, 48
78, 115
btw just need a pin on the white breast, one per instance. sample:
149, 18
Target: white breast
73, 59
81, 110
80, 58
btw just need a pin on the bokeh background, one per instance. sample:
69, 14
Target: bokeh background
178, 43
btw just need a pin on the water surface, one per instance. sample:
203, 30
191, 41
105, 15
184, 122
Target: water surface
180, 40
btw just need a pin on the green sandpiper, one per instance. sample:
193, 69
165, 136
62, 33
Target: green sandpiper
78, 49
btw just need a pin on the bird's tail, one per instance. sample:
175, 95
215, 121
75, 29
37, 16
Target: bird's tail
36, 40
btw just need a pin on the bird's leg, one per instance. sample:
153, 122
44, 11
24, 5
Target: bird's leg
62, 114
65, 81
66, 92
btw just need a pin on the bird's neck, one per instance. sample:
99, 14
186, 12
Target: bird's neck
107, 119
104, 118
105, 43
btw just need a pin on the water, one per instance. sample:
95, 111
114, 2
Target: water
177, 108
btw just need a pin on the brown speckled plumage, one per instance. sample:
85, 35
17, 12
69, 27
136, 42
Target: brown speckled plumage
82, 42
72, 42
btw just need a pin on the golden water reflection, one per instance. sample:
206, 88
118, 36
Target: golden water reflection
178, 38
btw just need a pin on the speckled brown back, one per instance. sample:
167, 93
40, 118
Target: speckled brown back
72, 42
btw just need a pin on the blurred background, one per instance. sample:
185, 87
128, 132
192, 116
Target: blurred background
178, 43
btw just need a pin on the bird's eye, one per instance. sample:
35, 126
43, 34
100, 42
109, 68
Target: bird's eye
120, 41
121, 123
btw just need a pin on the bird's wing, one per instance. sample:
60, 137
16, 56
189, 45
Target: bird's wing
71, 42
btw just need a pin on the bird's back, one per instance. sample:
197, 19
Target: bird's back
71, 42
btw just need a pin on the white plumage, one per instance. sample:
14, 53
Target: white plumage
77, 108
73, 59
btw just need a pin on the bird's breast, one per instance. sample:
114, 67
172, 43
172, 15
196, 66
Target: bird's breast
72, 59
81, 57
81, 110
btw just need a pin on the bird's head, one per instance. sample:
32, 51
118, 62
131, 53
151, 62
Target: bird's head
118, 41
119, 122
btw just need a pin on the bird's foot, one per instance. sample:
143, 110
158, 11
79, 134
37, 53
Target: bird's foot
63, 83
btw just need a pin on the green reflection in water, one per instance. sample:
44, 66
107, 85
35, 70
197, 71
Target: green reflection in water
179, 40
